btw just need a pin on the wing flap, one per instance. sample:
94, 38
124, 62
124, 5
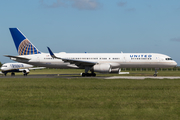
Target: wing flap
78, 62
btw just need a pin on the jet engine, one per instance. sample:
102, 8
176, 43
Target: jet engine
102, 68
25, 71
116, 70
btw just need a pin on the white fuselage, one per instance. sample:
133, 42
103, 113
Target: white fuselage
116, 60
7, 67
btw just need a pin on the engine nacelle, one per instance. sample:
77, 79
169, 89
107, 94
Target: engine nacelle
102, 68
116, 70
25, 71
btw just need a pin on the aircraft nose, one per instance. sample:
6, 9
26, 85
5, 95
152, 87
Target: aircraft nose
174, 63
1, 68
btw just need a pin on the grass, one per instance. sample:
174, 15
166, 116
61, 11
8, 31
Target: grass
88, 99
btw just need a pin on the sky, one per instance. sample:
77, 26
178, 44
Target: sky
93, 26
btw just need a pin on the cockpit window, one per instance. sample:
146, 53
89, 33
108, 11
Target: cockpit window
4, 66
169, 59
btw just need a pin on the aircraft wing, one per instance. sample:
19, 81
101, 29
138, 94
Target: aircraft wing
22, 58
79, 62
35, 68
72, 61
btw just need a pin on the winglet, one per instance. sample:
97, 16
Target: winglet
52, 54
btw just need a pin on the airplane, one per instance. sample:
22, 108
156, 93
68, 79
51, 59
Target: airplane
93, 62
17, 67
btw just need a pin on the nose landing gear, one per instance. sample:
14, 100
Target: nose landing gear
155, 74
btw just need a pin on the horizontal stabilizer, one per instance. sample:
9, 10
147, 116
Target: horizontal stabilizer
17, 57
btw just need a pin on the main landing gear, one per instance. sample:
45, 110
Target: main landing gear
12, 74
88, 74
25, 74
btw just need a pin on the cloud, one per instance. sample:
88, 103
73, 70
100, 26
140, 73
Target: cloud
55, 4
86, 4
122, 4
131, 10
78, 4
175, 39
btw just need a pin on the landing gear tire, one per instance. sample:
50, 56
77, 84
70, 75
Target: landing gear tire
25, 74
12, 74
83, 74
5, 74
93, 74
88, 74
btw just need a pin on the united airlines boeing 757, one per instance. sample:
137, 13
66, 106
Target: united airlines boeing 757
94, 62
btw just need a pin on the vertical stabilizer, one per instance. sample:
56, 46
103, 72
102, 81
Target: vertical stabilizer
23, 45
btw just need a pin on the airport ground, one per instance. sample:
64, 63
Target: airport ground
89, 98
69, 73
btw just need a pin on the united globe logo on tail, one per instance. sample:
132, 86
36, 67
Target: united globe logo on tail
23, 45
26, 48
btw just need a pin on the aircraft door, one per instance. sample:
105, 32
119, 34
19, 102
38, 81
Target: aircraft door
125, 59
161, 59
158, 59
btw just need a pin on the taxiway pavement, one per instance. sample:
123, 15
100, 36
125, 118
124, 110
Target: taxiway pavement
97, 77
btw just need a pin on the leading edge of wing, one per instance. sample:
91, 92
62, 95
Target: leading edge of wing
71, 61
36, 68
